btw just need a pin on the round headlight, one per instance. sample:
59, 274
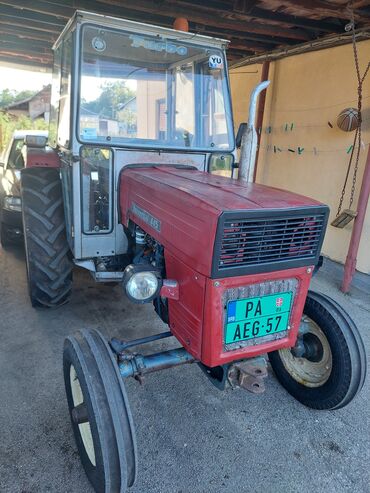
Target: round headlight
141, 285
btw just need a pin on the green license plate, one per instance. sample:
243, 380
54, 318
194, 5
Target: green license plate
257, 317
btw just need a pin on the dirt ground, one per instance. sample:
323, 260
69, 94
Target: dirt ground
191, 437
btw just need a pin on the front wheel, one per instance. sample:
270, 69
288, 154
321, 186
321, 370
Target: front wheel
331, 368
100, 413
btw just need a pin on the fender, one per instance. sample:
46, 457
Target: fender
44, 157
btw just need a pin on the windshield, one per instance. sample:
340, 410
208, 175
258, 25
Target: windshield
141, 90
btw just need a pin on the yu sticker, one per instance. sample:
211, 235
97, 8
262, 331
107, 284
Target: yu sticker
215, 61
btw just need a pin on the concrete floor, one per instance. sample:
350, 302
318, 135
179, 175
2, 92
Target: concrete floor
191, 437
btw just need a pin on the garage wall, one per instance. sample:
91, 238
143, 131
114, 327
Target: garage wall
307, 91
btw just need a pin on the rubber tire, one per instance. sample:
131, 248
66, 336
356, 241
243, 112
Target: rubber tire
109, 414
348, 357
48, 257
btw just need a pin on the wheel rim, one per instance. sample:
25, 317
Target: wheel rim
84, 428
314, 369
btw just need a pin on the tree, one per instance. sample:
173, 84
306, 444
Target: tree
9, 96
113, 95
8, 124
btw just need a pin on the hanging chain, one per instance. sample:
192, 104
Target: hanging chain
359, 111
357, 139
347, 175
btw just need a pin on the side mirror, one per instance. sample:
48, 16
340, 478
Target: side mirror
242, 128
221, 164
35, 141
2, 165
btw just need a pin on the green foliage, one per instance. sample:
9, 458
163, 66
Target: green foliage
8, 124
8, 96
112, 96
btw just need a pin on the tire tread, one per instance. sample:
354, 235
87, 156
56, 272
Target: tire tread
49, 261
109, 409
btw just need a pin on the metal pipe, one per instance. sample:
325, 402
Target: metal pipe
351, 260
260, 114
249, 138
119, 346
253, 101
140, 365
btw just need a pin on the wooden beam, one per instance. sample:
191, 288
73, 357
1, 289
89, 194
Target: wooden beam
227, 33
99, 7
243, 42
250, 28
157, 17
357, 4
320, 44
238, 44
19, 23
6, 59
29, 55
171, 9
223, 9
167, 21
357, 229
30, 17
238, 53
321, 7
36, 45
6, 47
26, 33
252, 13
59, 10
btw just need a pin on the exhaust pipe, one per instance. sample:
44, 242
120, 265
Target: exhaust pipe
248, 148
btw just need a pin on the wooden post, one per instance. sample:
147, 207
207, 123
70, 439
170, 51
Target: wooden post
351, 260
260, 113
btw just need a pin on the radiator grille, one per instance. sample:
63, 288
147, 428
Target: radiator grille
246, 242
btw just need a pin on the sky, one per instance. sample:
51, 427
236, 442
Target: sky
21, 80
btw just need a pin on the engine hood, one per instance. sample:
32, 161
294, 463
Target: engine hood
220, 193
181, 208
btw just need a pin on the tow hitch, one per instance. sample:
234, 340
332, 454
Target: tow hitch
249, 374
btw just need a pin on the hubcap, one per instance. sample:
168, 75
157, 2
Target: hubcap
84, 427
313, 369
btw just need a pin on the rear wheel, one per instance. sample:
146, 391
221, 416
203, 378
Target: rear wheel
48, 257
331, 368
100, 414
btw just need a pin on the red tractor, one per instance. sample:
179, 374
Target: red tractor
139, 190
